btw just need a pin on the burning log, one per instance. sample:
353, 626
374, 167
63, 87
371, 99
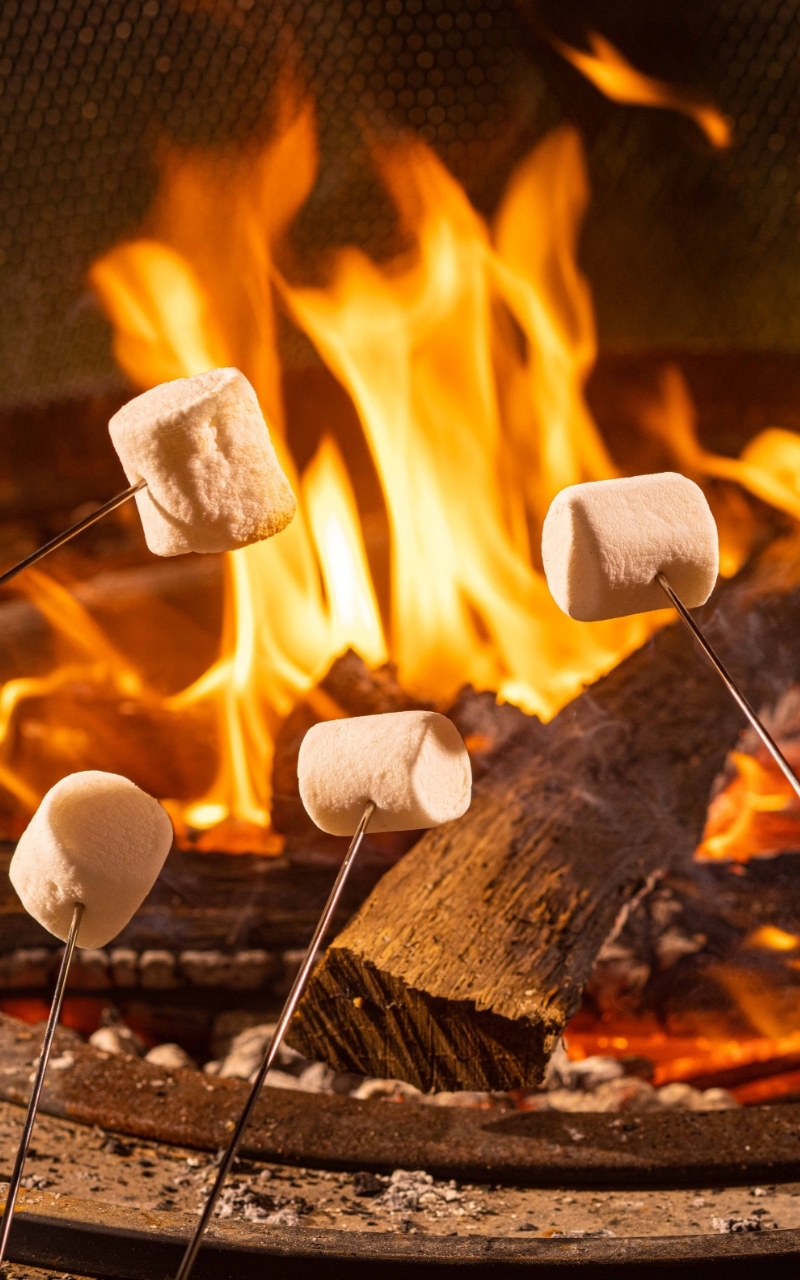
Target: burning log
462, 968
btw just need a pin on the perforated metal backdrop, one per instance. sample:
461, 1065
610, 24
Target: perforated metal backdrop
683, 244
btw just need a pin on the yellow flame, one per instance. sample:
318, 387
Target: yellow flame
219, 217
614, 76
465, 359
755, 816
770, 938
413, 343
769, 466
333, 516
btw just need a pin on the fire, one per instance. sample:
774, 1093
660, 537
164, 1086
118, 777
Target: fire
756, 816
465, 358
414, 344
769, 938
333, 515
470, 435
614, 76
681, 1054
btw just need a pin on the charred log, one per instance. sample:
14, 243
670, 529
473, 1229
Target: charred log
462, 968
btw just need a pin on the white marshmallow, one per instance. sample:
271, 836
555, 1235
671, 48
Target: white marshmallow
96, 839
213, 480
604, 542
412, 764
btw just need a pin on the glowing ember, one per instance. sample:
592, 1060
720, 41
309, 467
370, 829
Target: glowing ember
680, 1055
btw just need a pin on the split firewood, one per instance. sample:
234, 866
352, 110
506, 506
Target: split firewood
463, 966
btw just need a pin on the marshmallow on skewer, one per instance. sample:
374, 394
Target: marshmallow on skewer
95, 839
213, 480
604, 542
412, 765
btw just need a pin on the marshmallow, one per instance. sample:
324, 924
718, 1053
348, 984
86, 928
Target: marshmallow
412, 764
96, 839
604, 542
213, 480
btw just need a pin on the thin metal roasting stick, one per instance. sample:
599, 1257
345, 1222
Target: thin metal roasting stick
292, 1002
71, 532
733, 688
44, 1058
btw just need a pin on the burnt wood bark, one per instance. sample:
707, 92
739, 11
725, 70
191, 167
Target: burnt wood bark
213, 901
464, 964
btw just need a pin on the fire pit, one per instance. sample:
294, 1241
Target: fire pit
374, 211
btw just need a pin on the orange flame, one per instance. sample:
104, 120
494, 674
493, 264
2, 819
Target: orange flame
413, 344
426, 349
465, 359
614, 76
769, 938
756, 816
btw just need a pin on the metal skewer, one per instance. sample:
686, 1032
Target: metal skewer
732, 687
71, 532
289, 1008
44, 1057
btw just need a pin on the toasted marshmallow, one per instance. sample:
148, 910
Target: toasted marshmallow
213, 480
96, 839
412, 765
604, 542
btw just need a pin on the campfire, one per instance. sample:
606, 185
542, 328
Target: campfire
427, 406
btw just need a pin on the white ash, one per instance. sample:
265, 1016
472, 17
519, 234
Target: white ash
291, 1070
76, 1161
476, 1099
242, 1200
629, 1093
409, 1191
117, 1039
64, 1062
247, 1051
171, 1056
563, 1073
594, 1084
681, 1096
387, 1090
733, 1226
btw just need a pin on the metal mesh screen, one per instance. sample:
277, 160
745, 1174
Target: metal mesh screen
683, 244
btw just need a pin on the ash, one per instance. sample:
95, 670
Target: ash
595, 1084
69, 1159
408, 1192
733, 1226
246, 1199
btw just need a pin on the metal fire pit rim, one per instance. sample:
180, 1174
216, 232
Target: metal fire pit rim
121, 1243
659, 1149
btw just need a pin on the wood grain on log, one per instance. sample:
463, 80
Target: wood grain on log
465, 963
